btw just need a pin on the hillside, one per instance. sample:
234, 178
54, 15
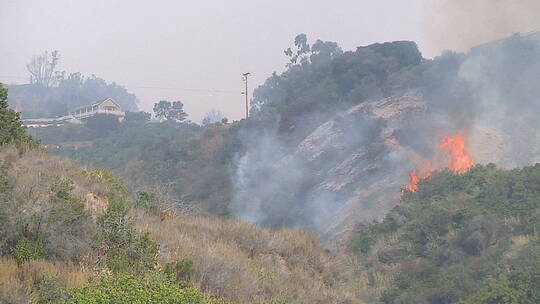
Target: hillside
461, 238
334, 137
54, 230
73, 235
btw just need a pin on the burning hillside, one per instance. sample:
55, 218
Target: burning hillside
456, 157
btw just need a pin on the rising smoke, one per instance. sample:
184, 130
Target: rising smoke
461, 24
491, 95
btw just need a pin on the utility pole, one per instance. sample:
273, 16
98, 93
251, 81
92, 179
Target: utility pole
245, 78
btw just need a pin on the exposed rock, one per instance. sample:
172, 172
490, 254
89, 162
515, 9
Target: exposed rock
357, 177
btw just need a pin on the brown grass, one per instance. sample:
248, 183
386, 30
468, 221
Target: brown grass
17, 282
29, 173
247, 264
233, 260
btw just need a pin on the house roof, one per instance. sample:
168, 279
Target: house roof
97, 103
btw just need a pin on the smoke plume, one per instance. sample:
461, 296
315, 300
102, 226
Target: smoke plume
351, 168
461, 24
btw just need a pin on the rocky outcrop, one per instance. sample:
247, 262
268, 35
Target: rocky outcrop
358, 162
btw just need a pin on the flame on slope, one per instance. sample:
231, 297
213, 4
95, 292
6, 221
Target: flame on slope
458, 161
415, 177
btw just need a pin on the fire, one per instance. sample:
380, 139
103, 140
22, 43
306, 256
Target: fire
415, 178
458, 161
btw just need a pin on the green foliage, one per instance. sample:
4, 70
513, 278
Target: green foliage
65, 202
454, 239
126, 288
102, 124
147, 201
322, 80
11, 129
137, 117
171, 111
27, 249
518, 282
361, 243
127, 250
181, 270
104, 176
193, 162
49, 291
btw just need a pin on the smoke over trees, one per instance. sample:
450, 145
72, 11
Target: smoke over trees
461, 24
213, 116
55, 93
487, 94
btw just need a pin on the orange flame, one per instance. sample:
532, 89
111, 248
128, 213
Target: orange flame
415, 178
458, 161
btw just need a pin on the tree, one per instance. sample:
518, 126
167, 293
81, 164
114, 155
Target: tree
137, 117
302, 50
103, 123
11, 129
213, 116
324, 51
170, 111
42, 69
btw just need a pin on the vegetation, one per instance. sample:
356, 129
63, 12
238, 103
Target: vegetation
170, 111
54, 93
322, 80
125, 288
75, 235
470, 238
244, 263
10, 126
185, 161
72, 235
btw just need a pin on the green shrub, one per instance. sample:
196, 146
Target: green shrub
27, 249
49, 291
453, 239
147, 201
181, 270
128, 251
361, 243
126, 288
11, 130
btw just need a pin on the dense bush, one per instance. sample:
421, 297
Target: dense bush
11, 129
26, 250
471, 237
125, 288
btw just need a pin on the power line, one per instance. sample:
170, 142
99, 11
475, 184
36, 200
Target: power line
182, 89
216, 91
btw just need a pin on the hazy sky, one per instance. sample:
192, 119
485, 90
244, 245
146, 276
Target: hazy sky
193, 51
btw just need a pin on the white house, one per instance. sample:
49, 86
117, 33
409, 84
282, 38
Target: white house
106, 106
79, 115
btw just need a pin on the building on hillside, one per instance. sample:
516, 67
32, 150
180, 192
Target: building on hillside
105, 106
79, 115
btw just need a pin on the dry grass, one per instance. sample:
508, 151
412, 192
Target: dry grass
17, 282
33, 167
234, 260
247, 264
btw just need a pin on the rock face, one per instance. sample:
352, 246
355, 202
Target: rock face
358, 162
353, 167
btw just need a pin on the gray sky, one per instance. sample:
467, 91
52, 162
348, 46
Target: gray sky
193, 51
